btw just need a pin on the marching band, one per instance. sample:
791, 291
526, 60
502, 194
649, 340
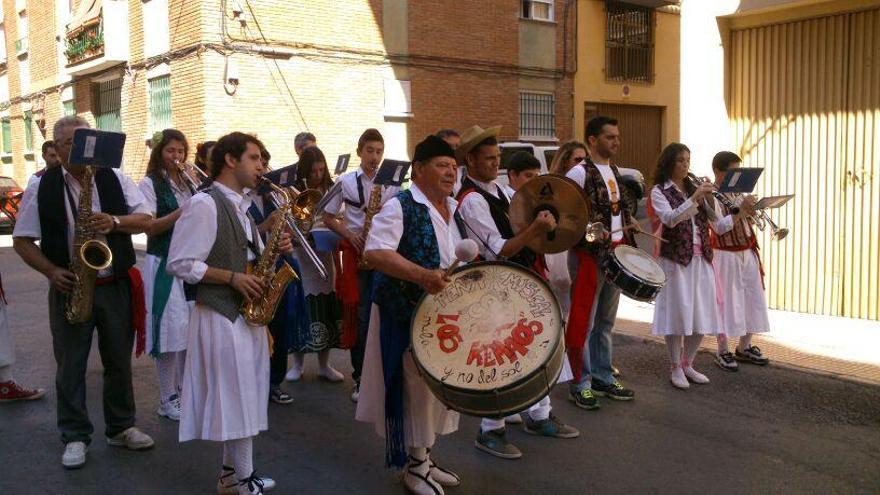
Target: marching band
245, 265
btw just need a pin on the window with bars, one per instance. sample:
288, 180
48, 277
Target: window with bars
107, 102
541, 10
160, 103
28, 131
629, 42
6, 129
537, 115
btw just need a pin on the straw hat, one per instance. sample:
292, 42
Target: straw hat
473, 136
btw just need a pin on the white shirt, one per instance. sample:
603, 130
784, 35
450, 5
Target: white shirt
579, 174
387, 229
148, 189
27, 223
480, 225
196, 231
354, 217
687, 211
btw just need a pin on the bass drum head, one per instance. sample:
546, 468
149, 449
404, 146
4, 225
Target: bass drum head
491, 343
639, 263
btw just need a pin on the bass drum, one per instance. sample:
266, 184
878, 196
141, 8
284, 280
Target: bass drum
491, 344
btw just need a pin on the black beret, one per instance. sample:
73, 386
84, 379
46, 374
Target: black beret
522, 160
431, 147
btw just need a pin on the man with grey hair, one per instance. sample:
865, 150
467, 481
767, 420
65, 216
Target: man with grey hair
49, 214
302, 141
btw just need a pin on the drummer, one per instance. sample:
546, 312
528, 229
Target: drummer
593, 299
484, 206
413, 235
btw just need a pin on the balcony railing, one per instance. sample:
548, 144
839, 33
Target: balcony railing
85, 43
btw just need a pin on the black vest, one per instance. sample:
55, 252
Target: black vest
51, 197
499, 208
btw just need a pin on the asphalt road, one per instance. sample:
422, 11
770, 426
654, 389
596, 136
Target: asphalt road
762, 430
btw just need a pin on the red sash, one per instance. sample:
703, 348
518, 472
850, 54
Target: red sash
347, 292
583, 295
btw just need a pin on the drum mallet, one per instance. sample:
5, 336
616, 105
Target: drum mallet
465, 251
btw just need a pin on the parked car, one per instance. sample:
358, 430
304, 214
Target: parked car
631, 178
10, 197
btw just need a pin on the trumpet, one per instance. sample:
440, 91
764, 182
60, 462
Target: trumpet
184, 168
763, 220
301, 216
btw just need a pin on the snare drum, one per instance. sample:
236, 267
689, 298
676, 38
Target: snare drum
634, 272
490, 344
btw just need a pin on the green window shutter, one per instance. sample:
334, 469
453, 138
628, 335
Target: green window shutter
108, 100
28, 131
160, 103
7, 135
69, 109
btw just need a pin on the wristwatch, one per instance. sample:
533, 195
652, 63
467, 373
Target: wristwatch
116, 222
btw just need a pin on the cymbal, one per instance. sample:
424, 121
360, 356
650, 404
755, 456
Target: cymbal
560, 196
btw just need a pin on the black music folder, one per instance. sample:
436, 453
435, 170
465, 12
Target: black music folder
97, 148
342, 164
392, 173
740, 180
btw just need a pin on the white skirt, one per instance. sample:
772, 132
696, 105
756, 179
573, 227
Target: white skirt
424, 416
175, 317
7, 350
225, 392
743, 302
687, 304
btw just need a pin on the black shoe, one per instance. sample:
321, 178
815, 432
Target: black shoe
751, 355
726, 361
584, 399
614, 391
279, 396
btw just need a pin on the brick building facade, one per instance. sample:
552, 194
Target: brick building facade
275, 68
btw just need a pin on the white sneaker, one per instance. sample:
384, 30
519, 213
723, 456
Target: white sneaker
355, 392
695, 376
132, 439
294, 374
678, 379
74, 455
170, 409
330, 374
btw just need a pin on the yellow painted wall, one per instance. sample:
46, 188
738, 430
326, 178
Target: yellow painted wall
589, 81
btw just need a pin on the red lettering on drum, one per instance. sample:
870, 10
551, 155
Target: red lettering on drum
510, 348
448, 336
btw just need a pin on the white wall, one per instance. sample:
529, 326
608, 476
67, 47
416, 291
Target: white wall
704, 123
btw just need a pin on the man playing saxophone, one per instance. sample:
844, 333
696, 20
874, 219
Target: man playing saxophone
215, 243
57, 212
361, 199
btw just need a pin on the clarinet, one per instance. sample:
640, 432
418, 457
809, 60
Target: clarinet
697, 182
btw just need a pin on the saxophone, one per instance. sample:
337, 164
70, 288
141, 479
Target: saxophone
260, 311
372, 208
89, 256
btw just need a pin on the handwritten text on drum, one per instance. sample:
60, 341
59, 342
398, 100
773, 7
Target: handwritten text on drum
526, 288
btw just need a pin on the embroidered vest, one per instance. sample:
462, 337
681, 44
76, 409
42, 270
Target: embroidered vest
417, 244
51, 199
166, 203
679, 245
597, 190
738, 239
499, 208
